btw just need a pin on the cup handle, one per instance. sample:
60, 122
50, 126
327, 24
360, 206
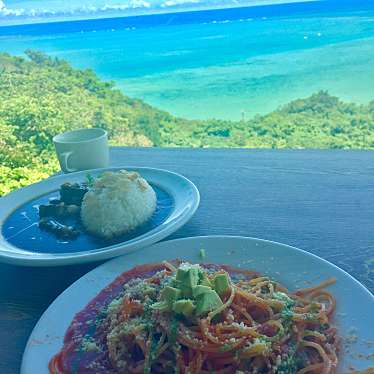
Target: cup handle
65, 161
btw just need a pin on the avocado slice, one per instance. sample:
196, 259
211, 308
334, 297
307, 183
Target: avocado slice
189, 274
205, 281
162, 306
184, 306
182, 272
187, 277
170, 294
221, 283
208, 301
200, 289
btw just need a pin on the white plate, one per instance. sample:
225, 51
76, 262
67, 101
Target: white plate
291, 266
182, 191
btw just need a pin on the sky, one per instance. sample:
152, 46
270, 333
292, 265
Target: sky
25, 11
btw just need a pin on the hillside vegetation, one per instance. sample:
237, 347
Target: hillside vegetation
42, 96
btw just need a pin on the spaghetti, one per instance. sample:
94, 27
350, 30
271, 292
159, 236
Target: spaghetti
257, 326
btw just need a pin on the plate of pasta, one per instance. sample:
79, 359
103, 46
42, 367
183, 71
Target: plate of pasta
208, 305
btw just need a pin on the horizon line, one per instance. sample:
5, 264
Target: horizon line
284, 8
152, 12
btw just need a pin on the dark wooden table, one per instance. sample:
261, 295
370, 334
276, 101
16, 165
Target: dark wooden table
320, 201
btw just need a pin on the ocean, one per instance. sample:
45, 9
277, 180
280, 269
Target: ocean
227, 64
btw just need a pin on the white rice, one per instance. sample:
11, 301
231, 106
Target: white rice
117, 203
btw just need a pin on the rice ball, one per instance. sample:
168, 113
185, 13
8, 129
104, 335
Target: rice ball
117, 203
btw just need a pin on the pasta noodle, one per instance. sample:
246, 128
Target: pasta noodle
259, 327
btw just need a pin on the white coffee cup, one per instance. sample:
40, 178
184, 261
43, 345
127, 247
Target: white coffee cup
82, 149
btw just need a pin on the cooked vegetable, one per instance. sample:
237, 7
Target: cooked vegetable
57, 228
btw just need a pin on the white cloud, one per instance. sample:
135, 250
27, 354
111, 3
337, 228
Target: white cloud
169, 3
40, 12
130, 4
69, 8
140, 4
114, 7
4, 11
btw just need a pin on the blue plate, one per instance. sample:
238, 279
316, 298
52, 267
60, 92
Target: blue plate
24, 243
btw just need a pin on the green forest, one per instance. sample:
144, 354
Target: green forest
42, 96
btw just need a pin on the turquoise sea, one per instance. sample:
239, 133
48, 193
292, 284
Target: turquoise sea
223, 68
